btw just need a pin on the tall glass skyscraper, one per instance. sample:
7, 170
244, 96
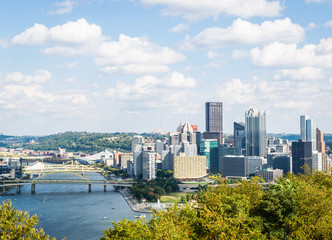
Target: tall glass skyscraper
255, 132
303, 119
308, 131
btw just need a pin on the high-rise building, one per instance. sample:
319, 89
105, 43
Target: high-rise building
239, 138
255, 130
214, 121
311, 133
303, 119
136, 141
301, 155
149, 165
317, 161
320, 141
186, 133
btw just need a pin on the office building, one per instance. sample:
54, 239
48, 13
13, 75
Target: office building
205, 150
189, 167
138, 162
317, 161
149, 165
136, 143
311, 133
303, 119
320, 141
255, 129
239, 138
301, 155
214, 121
234, 166
254, 163
280, 161
269, 175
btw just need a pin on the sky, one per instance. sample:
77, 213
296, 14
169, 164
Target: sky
142, 65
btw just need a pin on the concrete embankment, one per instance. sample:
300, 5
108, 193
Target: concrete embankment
135, 206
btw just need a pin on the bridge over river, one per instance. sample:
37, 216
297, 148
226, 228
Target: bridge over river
42, 170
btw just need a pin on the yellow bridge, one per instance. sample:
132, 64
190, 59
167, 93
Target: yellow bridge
79, 170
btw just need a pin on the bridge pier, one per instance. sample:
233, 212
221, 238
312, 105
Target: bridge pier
89, 187
33, 188
18, 188
104, 188
3, 189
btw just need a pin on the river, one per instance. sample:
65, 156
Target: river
70, 210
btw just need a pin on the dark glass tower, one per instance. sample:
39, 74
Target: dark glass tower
214, 121
301, 154
239, 138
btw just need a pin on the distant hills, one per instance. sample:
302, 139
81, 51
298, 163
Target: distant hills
95, 142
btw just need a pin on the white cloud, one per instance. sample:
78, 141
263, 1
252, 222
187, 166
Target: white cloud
180, 28
244, 32
24, 94
135, 69
152, 92
293, 104
237, 92
40, 76
324, 46
79, 32
328, 24
63, 7
212, 54
305, 73
178, 80
312, 26
135, 51
238, 54
197, 9
269, 94
70, 80
283, 55
72, 64
316, 1
130, 55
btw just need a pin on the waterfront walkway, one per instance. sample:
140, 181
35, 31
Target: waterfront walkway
135, 206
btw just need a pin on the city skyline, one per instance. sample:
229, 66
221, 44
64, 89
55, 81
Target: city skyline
141, 65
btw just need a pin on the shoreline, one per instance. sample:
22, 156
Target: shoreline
135, 206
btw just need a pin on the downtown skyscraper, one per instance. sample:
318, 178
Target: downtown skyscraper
308, 131
255, 129
214, 121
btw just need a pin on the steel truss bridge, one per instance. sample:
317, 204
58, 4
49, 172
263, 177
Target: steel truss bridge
73, 168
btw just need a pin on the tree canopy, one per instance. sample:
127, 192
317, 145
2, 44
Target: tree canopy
16, 224
296, 207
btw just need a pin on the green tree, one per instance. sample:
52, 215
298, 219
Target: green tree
15, 224
296, 207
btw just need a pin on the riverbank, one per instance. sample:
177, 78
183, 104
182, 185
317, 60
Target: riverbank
135, 206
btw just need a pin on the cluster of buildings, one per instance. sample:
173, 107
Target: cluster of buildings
191, 154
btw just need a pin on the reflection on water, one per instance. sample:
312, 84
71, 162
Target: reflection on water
70, 210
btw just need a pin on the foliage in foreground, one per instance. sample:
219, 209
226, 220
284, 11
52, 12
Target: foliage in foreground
15, 224
297, 207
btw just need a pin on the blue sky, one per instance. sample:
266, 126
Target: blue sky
141, 65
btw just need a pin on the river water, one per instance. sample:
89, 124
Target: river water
70, 210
